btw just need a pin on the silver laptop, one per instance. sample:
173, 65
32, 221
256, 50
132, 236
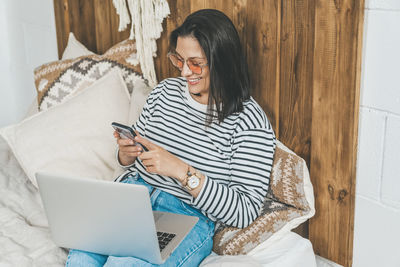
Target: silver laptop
110, 218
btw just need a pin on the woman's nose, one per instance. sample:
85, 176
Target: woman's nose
185, 70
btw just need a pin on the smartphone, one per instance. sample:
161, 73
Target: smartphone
126, 132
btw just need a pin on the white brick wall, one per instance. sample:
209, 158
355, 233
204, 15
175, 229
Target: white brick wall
370, 149
391, 164
381, 60
377, 209
383, 4
28, 39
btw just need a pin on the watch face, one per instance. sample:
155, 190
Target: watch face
194, 181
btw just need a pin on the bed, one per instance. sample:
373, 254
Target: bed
90, 91
78, 88
24, 236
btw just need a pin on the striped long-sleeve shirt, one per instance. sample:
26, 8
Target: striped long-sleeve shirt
235, 155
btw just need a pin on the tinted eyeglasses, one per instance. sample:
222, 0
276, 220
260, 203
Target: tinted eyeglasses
192, 63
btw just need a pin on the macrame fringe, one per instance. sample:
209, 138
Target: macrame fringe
147, 17
122, 11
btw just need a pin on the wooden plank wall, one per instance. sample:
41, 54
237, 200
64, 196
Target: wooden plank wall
304, 58
335, 108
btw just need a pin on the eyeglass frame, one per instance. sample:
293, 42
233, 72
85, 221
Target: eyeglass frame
185, 62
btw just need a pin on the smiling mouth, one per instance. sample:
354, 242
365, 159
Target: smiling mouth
193, 81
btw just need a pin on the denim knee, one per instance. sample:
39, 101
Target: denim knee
79, 258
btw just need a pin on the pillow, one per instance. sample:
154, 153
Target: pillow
56, 81
138, 98
32, 110
289, 202
74, 138
74, 48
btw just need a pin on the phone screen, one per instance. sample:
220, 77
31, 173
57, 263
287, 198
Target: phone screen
126, 132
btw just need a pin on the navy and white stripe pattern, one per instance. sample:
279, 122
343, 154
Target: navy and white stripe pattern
236, 155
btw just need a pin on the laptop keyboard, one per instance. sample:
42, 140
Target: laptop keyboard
164, 239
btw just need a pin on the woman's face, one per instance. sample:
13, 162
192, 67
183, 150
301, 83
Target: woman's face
198, 84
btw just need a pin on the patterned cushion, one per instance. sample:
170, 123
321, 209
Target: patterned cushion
56, 81
286, 200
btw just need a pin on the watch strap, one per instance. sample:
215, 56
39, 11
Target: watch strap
185, 179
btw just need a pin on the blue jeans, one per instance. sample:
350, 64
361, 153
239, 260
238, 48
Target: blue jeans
193, 249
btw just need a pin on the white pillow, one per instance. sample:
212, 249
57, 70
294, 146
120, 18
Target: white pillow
33, 109
74, 138
75, 48
138, 98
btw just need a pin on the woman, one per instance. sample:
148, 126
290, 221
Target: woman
210, 144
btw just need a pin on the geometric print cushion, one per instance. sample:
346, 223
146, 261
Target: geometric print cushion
56, 81
284, 202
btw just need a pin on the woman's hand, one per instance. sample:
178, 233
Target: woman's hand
160, 161
128, 150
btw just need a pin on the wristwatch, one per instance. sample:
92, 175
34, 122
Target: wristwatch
192, 180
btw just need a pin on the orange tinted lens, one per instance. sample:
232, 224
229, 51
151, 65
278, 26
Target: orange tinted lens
176, 61
195, 68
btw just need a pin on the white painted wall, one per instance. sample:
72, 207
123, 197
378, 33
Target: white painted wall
28, 39
377, 207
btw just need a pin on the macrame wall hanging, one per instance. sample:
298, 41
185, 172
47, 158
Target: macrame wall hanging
146, 17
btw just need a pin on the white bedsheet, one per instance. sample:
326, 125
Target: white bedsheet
25, 237
288, 251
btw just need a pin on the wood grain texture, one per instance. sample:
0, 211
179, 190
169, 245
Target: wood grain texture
335, 108
103, 23
295, 95
82, 22
61, 11
263, 56
296, 60
93, 22
304, 62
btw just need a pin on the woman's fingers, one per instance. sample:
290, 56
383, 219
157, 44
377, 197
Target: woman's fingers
125, 142
116, 134
132, 154
130, 149
150, 167
145, 142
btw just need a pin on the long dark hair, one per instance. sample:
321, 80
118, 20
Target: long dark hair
229, 75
